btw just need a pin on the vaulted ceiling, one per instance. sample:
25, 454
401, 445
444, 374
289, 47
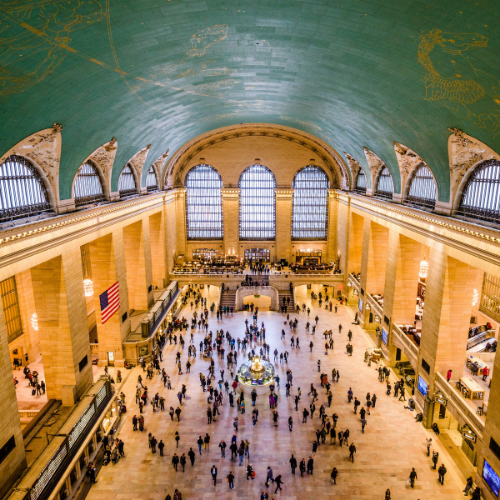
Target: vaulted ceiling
354, 73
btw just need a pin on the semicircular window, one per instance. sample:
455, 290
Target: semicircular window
151, 180
23, 192
422, 192
310, 204
126, 183
257, 204
385, 186
360, 187
203, 203
88, 186
481, 195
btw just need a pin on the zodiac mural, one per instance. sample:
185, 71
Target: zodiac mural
34, 36
455, 77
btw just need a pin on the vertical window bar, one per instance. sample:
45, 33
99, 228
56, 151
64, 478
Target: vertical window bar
360, 187
10, 305
88, 186
151, 180
126, 183
422, 191
385, 186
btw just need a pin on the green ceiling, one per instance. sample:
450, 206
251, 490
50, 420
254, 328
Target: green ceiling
354, 73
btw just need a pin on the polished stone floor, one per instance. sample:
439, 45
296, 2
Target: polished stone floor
392, 444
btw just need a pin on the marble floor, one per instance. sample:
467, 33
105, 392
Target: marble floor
392, 444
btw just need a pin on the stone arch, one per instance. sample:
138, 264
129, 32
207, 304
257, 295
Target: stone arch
101, 177
268, 291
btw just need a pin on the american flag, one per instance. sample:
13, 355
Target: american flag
110, 302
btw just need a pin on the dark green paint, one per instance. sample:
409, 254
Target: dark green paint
347, 72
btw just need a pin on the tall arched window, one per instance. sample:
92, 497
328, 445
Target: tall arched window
88, 185
257, 204
126, 183
203, 203
151, 181
385, 186
360, 183
481, 195
22, 190
422, 190
310, 204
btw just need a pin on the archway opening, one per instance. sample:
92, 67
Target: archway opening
260, 301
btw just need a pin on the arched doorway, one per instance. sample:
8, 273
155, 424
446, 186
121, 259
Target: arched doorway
263, 302
254, 293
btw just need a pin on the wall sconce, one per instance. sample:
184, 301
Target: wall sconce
34, 321
424, 269
475, 297
367, 307
377, 318
355, 292
88, 287
349, 284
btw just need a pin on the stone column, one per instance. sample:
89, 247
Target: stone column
447, 312
158, 249
355, 243
62, 324
180, 221
284, 199
170, 234
231, 220
107, 258
491, 434
342, 233
27, 308
137, 253
11, 434
374, 272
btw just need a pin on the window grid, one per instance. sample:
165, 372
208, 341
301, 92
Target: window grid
88, 186
22, 190
257, 204
490, 297
481, 196
310, 204
204, 203
360, 183
126, 183
422, 192
257, 255
10, 305
151, 181
385, 186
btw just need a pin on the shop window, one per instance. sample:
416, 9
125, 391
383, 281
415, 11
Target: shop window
203, 204
257, 255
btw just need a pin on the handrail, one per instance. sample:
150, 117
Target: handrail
458, 402
407, 346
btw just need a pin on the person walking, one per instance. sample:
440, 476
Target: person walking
363, 424
293, 464
230, 480
352, 451
175, 461
387, 494
183, 461
222, 446
428, 443
413, 476
468, 486
290, 423
448, 376
334, 475
191, 455
177, 438
278, 484
161, 445
310, 465
269, 476
206, 442
199, 443
441, 472
213, 471
435, 456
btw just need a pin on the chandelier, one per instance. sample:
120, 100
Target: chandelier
34, 321
424, 268
88, 286
475, 297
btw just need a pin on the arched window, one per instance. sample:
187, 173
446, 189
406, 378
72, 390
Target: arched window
203, 203
385, 186
310, 204
22, 190
422, 191
126, 182
88, 186
360, 183
151, 181
257, 204
481, 195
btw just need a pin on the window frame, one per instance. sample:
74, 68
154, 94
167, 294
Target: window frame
253, 232
216, 231
491, 191
357, 189
153, 187
322, 232
127, 193
34, 185
81, 201
420, 202
382, 193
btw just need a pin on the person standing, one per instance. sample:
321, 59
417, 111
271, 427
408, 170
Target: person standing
213, 471
161, 445
468, 486
435, 456
363, 424
269, 476
183, 462
413, 476
352, 451
441, 472
206, 442
230, 480
310, 465
293, 464
387, 494
448, 376
429, 442
175, 461
290, 423
334, 475
222, 446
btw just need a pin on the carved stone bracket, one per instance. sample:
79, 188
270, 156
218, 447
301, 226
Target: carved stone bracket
137, 161
375, 163
158, 166
354, 166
